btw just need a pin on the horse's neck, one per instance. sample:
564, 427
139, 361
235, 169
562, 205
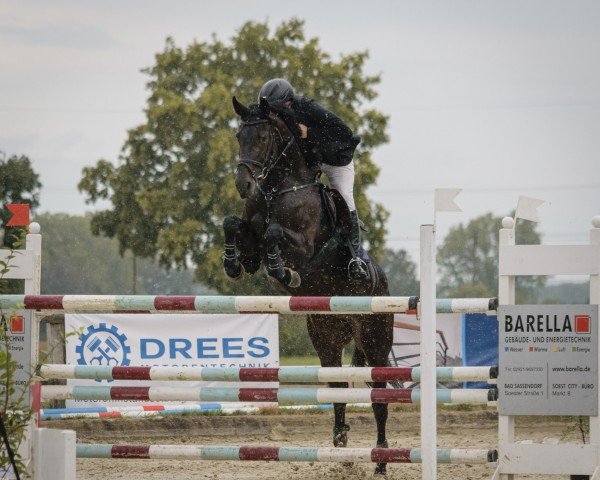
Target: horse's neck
295, 172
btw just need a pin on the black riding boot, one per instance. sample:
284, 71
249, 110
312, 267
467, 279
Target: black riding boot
357, 267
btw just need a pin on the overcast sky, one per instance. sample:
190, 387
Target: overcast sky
499, 98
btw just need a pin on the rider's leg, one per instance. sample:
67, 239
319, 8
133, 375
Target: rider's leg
342, 179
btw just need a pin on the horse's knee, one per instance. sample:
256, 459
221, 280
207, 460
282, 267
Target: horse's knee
273, 234
232, 224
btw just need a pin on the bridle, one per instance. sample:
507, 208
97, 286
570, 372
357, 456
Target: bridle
270, 161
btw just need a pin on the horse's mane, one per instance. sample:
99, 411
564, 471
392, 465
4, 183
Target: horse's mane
256, 112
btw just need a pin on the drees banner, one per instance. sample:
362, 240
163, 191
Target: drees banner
171, 340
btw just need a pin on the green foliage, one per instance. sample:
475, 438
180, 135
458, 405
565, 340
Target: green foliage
293, 336
175, 180
75, 261
468, 260
14, 410
566, 293
401, 272
18, 184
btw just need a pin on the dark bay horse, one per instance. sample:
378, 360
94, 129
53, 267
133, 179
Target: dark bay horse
286, 228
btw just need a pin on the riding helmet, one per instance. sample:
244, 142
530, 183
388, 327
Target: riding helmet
277, 91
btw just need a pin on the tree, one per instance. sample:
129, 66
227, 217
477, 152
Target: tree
175, 179
468, 259
75, 261
401, 272
18, 184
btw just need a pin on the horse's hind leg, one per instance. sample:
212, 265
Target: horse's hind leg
329, 335
376, 342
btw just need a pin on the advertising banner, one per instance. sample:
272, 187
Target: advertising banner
194, 340
17, 327
548, 360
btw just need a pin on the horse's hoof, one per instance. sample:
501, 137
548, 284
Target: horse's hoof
295, 280
232, 276
340, 436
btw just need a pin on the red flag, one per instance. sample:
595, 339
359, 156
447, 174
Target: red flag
20, 216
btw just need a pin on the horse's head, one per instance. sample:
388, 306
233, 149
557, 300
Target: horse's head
262, 137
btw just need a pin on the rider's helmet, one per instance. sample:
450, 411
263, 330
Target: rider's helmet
277, 91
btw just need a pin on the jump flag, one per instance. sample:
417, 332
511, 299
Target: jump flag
444, 199
20, 216
527, 209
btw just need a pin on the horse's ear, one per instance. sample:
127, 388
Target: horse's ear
264, 106
240, 109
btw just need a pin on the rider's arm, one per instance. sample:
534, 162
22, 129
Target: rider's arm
327, 121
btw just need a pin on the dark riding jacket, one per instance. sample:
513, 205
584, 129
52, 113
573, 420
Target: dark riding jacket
329, 140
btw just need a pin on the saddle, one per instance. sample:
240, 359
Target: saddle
338, 217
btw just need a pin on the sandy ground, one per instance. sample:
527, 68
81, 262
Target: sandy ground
456, 428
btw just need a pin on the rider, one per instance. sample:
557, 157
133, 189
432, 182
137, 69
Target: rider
328, 142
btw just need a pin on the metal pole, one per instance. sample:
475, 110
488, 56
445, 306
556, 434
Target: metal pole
428, 354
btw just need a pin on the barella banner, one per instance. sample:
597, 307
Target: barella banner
194, 340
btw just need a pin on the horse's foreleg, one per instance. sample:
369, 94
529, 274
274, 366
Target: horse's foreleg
238, 238
275, 267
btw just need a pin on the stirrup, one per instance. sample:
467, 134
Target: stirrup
358, 269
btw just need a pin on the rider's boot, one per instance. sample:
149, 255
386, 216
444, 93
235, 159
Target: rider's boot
357, 267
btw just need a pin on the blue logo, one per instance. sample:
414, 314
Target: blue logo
103, 345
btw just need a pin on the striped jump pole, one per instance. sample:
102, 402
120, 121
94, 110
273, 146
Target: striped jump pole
139, 411
306, 374
290, 395
237, 304
282, 454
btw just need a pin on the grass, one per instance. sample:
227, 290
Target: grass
295, 360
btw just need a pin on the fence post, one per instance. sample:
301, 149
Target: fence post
428, 354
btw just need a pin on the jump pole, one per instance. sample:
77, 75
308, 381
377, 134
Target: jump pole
281, 454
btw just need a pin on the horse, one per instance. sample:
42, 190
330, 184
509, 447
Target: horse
297, 229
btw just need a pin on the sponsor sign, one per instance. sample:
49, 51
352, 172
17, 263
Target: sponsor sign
548, 360
181, 340
17, 325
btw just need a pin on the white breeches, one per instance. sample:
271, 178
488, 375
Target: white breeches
342, 179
